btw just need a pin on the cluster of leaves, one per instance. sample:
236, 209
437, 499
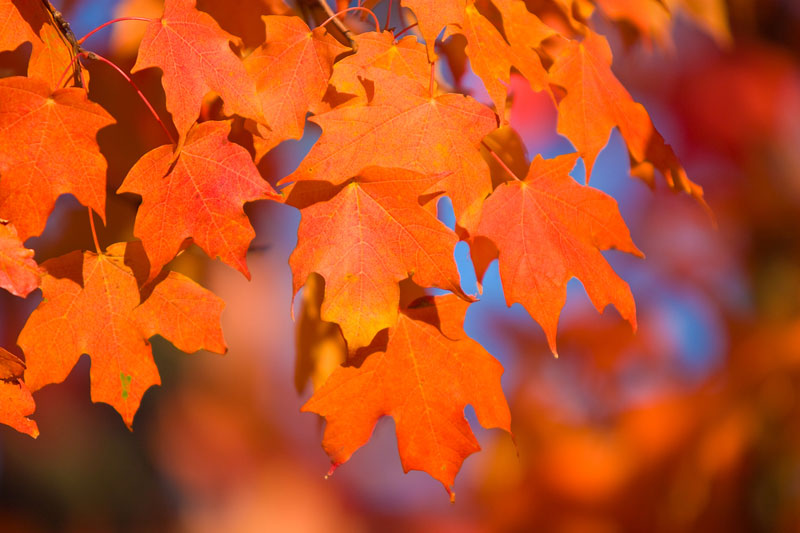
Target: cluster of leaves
394, 139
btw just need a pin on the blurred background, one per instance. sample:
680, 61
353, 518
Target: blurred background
692, 424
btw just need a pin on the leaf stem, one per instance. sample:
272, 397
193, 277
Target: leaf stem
100, 27
501, 163
71, 65
433, 75
405, 30
94, 231
92, 55
341, 25
66, 32
388, 16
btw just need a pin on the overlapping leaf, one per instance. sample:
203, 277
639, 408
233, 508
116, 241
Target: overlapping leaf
92, 305
291, 70
197, 193
549, 229
48, 147
491, 57
25, 21
404, 127
428, 373
367, 238
195, 56
19, 273
406, 58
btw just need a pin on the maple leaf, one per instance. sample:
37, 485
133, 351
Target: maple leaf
549, 229
371, 235
19, 273
195, 56
197, 193
596, 102
407, 57
404, 127
428, 373
16, 402
434, 16
16, 405
291, 70
489, 54
91, 304
48, 147
525, 32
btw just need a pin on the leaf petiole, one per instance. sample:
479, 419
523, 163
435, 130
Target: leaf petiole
94, 231
356, 8
401, 32
92, 55
501, 163
100, 27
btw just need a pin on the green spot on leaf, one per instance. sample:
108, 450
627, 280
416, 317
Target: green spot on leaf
126, 384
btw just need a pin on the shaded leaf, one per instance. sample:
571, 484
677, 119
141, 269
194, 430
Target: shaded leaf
371, 235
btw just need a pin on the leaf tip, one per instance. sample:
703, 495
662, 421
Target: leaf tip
333, 468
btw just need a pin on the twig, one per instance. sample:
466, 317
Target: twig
63, 27
337, 22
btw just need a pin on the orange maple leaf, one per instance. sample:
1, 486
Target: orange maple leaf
367, 238
596, 102
491, 57
48, 147
92, 305
16, 402
198, 193
19, 273
291, 70
428, 373
433, 17
195, 56
549, 229
404, 127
